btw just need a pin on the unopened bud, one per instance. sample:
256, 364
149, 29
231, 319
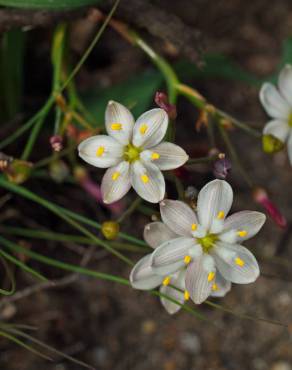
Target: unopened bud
56, 142
261, 196
58, 170
18, 171
271, 144
221, 168
110, 229
161, 99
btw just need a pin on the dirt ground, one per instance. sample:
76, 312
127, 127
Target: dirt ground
114, 327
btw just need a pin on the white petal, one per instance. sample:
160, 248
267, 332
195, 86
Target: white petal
200, 277
101, 151
236, 263
157, 233
277, 128
166, 156
221, 287
142, 276
273, 102
177, 280
150, 128
116, 182
246, 224
214, 202
169, 257
148, 181
289, 146
285, 83
119, 122
178, 216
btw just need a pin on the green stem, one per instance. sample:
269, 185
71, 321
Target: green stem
130, 210
200, 160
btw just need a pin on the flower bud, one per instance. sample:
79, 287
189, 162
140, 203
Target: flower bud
261, 196
110, 229
18, 171
56, 142
221, 168
271, 144
161, 99
58, 171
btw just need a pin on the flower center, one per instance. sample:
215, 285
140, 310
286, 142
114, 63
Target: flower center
131, 153
290, 120
207, 242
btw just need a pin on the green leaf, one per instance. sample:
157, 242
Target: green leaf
48, 4
136, 93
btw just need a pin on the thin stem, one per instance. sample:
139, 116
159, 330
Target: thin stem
130, 210
200, 160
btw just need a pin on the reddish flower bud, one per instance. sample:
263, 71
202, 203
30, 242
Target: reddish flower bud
56, 142
161, 99
261, 196
221, 168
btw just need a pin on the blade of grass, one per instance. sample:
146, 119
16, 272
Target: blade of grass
10, 277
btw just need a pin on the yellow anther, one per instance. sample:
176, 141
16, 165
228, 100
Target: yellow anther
115, 175
99, 151
144, 178
187, 259
143, 129
194, 227
220, 215
166, 281
116, 126
242, 233
211, 276
215, 287
239, 261
186, 295
155, 156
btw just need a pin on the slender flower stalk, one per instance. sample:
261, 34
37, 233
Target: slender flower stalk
133, 153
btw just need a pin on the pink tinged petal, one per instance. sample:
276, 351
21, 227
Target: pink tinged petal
116, 183
289, 146
214, 202
273, 103
148, 181
119, 122
200, 277
150, 128
142, 276
169, 257
177, 280
157, 233
101, 151
277, 128
178, 216
221, 286
166, 156
235, 263
285, 83
244, 224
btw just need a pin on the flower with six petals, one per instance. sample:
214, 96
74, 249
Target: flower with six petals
133, 153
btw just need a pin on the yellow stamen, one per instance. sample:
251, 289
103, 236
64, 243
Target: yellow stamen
116, 126
211, 276
143, 129
166, 281
239, 261
187, 259
220, 215
99, 151
155, 156
186, 295
194, 227
242, 233
115, 175
215, 287
144, 178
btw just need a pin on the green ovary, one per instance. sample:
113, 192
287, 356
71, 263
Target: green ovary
208, 242
290, 120
131, 153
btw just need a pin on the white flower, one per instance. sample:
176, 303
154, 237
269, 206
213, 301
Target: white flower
208, 244
278, 105
133, 152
